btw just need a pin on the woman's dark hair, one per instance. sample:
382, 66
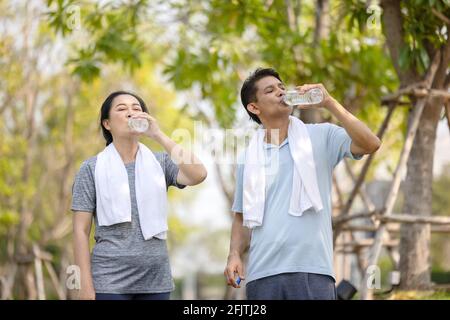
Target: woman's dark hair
248, 90
106, 107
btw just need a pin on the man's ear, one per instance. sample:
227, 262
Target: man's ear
253, 108
106, 124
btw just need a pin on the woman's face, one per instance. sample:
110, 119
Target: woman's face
122, 108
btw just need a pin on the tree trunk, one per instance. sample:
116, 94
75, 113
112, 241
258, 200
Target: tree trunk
321, 20
415, 238
415, 262
321, 31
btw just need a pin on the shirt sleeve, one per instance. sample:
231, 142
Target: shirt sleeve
171, 171
338, 145
83, 190
238, 191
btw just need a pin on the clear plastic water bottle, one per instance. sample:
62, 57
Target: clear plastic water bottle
138, 124
295, 98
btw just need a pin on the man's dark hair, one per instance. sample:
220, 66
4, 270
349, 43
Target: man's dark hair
248, 90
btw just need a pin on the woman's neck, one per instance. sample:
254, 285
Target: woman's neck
127, 149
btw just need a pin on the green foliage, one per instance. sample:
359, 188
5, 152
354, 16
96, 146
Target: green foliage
421, 32
110, 28
58, 16
441, 187
209, 49
8, 219
246, 34
419, 295
440, 242
49, 118
85, 65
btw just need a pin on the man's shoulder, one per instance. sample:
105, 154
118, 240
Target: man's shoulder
322, 126
319, 131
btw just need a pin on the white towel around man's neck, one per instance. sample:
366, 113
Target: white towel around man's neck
305, 190
113, 191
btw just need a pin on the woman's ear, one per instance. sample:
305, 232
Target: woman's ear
106, 124
253, 108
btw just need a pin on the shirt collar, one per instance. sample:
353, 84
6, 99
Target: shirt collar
270, 145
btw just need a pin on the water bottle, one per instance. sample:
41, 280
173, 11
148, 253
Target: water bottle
138, 124
295, 98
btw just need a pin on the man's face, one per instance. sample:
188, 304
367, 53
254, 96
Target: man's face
269, 99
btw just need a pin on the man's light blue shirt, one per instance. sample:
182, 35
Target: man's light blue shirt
286, 243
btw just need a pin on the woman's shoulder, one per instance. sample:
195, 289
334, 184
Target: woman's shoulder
88, 165
90, 161
164, 160
160, 155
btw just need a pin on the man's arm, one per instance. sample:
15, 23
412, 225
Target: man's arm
364, 141
240, 240
240, 236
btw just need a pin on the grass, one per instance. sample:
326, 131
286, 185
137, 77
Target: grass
416, 295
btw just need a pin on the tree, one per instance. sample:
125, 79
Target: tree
413, 42
219, 42
440, 253
48, 125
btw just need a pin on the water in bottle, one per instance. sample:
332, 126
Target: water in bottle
138, 124
295, 98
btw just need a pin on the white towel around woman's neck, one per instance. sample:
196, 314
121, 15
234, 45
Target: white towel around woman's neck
113, 191
305, 190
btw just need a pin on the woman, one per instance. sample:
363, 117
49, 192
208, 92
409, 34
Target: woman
124, 188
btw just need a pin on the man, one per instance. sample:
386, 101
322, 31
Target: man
287, 221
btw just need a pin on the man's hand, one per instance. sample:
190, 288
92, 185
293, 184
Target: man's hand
327, 99
234, 269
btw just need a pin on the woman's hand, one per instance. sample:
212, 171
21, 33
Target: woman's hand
153, 130
87, 294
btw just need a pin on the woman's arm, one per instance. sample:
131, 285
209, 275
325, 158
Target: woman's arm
82, 222
192, 171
